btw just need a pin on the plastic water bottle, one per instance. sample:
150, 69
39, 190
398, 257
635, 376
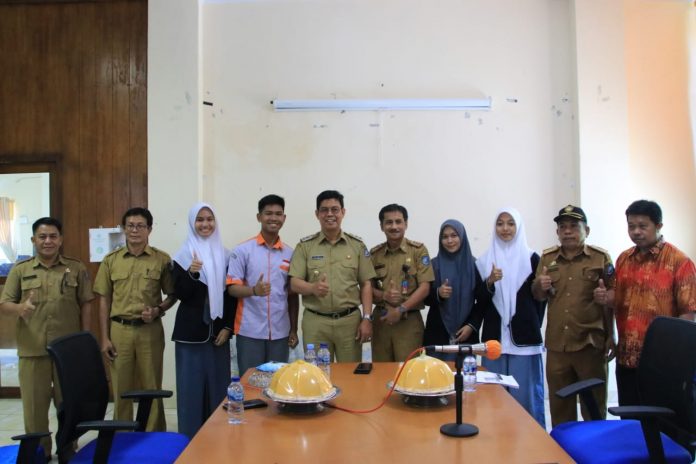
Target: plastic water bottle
310, 355
324, 359
469, 369
235, 402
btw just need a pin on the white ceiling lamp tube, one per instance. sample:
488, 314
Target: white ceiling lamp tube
393, 104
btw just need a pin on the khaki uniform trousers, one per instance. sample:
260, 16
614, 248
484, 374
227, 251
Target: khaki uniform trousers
38, 384
339, 334
138, 365
564, 368
396, 342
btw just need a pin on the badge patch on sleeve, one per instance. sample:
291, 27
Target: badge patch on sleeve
425, 260
609, 270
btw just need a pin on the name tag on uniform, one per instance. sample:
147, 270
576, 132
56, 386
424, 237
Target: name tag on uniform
317, 257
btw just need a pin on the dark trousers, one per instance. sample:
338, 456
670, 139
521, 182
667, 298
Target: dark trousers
627, 386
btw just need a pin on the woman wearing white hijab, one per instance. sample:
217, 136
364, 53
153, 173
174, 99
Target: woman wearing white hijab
514, 317
204, 321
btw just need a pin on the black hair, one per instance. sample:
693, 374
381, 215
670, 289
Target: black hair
329, 195
271, 200
47, 221
392, 208
645, 208
137, 211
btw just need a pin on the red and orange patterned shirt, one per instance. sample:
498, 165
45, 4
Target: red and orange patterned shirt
661, 282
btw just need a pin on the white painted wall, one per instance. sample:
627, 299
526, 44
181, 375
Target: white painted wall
575, 134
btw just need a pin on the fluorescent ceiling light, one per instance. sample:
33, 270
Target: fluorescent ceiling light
384, 104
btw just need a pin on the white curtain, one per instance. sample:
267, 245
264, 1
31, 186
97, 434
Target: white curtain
6, 220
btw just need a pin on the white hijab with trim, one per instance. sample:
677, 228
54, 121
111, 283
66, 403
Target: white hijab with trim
211, 253
513, 258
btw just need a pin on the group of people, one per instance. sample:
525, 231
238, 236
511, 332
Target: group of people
351, 295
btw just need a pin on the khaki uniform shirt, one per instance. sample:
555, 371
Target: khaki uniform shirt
57, 292
574, 320
408, 266
134, 282
346, 264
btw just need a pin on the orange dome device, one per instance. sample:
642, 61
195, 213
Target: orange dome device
300, 381
425, 375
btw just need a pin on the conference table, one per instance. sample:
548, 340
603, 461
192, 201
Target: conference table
395, 433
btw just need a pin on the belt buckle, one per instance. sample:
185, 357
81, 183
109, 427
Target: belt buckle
336, 315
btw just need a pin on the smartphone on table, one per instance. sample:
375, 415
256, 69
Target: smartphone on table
363, 368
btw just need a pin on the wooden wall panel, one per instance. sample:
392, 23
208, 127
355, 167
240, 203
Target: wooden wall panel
73, 88
74, 83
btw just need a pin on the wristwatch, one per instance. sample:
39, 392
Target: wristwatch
368, 317
402, 309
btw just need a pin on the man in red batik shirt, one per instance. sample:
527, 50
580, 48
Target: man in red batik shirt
653, 278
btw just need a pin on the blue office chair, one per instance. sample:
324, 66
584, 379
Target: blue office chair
85, 390
660, 429
29, 451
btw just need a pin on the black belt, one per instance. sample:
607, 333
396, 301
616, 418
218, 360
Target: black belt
131, 322
336, 314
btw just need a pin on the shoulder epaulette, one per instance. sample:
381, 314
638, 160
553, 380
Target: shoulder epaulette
375, 249
353, 236
600, 249
70, 258
414, 244
24, 260
309, 237
114, 251
550, 250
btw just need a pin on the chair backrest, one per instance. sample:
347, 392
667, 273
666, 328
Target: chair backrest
666, 372
83, 383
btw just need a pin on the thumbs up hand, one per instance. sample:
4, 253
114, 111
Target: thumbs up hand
262, 288
445, 291
496, 275
321, 286
26, 309
545, 280
196, 264
600, 293
392, 295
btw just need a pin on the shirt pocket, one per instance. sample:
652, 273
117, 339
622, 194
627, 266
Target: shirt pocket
151, 281
32, 287
592, 274
315, 269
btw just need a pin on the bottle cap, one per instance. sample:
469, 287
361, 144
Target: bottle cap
310, 346
323, 345
235, 379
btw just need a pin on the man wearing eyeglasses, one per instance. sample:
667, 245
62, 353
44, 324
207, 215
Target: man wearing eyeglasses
332, 271
130, 283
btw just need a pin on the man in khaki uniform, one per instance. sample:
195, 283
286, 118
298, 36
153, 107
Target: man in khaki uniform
51, 296
332, 271
403, 281
575, 278
130, 283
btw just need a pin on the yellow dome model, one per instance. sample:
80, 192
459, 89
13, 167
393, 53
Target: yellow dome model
300, 381
425, 375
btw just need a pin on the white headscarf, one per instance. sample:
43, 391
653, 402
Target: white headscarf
513, 258
211, 253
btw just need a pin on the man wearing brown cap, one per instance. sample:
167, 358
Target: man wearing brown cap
577, 280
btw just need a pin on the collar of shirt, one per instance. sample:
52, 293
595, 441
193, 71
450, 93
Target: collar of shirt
278, 245
36, 262
654, 250
146, 251
323, 237
583, 251
400, 249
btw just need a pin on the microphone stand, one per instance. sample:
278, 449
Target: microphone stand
458, 429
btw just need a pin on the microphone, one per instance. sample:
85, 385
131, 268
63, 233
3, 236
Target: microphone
490, 349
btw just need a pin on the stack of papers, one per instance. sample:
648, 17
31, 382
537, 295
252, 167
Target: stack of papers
492, 377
